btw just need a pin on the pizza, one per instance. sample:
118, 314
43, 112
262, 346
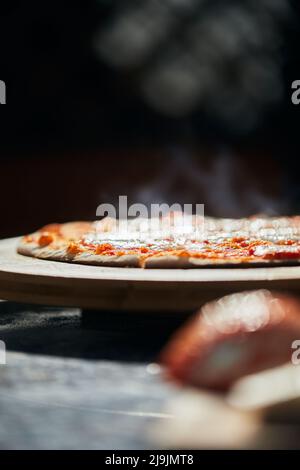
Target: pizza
203, 242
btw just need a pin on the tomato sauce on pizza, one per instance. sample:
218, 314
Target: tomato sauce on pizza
222, 242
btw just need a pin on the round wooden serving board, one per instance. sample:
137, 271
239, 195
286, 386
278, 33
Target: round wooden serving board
32, 280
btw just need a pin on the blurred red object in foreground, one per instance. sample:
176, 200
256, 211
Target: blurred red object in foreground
237, 335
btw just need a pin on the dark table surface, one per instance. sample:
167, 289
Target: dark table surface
89, 380
73, 382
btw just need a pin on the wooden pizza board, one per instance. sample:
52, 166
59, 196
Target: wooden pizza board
32, 280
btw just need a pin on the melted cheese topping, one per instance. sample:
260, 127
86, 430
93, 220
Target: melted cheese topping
248, 239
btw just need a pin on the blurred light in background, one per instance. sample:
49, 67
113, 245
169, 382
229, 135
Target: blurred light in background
220, 57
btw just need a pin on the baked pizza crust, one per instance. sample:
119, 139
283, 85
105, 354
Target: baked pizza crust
134, 261
71, 231
65, 234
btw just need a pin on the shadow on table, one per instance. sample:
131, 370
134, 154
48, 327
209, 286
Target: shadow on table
68, 332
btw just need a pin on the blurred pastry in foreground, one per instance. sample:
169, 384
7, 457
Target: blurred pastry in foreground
235, 336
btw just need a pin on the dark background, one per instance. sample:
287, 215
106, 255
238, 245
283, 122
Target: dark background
174, 101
